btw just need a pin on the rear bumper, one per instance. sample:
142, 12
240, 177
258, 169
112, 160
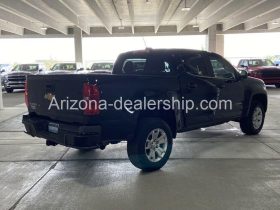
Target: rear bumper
68, 135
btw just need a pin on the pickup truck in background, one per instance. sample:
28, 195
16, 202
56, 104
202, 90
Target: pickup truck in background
103, 67
66, 68
154, 75
4, 69
15, 79
263, 69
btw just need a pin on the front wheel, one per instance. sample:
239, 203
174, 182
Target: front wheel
152, 145
253, 123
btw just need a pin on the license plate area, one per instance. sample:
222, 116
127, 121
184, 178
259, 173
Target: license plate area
53, 127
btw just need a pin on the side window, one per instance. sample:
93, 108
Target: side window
221, 68
194, 64
162, 64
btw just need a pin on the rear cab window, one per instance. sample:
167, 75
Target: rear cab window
160, 63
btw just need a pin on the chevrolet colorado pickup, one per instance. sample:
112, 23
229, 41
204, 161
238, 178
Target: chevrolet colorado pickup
153, 74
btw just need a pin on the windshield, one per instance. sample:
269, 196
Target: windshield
64, 66
102, 66
260, 62
26, 67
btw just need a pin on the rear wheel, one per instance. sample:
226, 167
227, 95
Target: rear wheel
277, 85
152, 145
253, 123
9, 90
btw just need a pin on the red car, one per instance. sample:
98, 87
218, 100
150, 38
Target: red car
263, 69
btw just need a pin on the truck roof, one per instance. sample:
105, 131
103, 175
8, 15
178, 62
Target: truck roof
159, 51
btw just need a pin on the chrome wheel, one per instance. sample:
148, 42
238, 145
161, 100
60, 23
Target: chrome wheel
156, 145
257, 118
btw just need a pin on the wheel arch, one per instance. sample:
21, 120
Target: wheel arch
166, 115
258, 97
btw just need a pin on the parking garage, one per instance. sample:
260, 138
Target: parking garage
209, 168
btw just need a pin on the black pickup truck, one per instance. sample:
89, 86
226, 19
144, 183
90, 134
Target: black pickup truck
161, 76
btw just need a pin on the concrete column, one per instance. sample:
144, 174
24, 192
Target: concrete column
214, 41
1, 96
78, 36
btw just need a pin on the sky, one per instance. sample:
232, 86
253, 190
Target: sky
26, 50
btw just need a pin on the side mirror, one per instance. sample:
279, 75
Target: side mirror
243, 74
40, 70
277, 64
2, 71
80, 69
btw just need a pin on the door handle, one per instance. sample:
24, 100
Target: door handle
191, 85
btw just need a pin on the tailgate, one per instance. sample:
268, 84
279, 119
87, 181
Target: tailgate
42, 89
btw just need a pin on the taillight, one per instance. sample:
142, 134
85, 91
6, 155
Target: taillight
91, 96
26, 94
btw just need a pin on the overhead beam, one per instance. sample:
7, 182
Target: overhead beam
161, 12
214, 7
230, 8
196, 9
66, 12
9, 27
131, 13
96, 9
29, 11
260, 9
258, 21
272, 25
17, 20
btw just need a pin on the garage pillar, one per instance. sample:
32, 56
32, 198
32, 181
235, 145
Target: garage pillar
214, 41
78, 36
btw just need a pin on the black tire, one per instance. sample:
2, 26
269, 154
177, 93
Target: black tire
247, 124
138, 154
9, 90
277, 85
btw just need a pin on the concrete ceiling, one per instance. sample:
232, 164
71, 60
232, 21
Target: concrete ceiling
136, 17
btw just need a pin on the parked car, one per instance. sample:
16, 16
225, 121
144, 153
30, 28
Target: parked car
66, 68
15, 79
263, 69
104, 67
4, 69
154, 75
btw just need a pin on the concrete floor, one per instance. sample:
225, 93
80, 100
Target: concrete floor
13, 99
213, 168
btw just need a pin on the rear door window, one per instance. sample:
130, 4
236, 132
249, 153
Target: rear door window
134, 65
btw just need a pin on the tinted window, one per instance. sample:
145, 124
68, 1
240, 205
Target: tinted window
65, 66
102, 66
221, 68
134, 65
195, 64
26, 67
163, 64
260, 62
